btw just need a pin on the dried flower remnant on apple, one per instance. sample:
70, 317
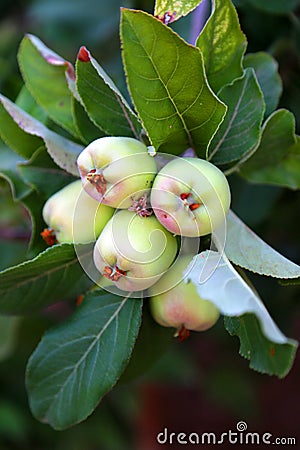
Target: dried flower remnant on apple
114, 169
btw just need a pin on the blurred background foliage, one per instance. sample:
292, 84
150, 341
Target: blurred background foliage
201, 384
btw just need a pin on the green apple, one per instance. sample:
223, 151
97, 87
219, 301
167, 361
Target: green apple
114, 169
134, 251
190, 197
175, 301
74, 216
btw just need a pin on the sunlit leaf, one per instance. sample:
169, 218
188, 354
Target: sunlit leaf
217, 281
222, 44
170, 10
244, 248
168, 86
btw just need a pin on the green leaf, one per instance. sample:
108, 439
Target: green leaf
104, 103
9, 171
239, 134
88, 131
48, 278
8, 330
277, 159
265, 356
244, 248
217, 281
48, 78
42, 174
174, 8
275, 6
168, 86
266, 71
80, 360
223, 45
154, 341
13, 135
23, 132
26, 102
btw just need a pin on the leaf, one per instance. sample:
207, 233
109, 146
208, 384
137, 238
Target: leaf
79, 361
46, 279
244, 248
104, 103
13, 135
154, 341
277, 159
20, 128
42, 174
265, 356
8, 330
9, 171
26, 102
239, 133
266, 71
223, 45
275, 6
48, 78
217, 281
174, 8
88, 131
168, 86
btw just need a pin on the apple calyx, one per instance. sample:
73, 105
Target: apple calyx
97, 179
140, 206
189, 201
182, 333
49, 236
113, 273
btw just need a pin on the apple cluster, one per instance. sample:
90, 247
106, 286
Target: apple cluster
135, 210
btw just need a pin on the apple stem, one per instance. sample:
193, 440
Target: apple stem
98, 180
182, 333
49, 236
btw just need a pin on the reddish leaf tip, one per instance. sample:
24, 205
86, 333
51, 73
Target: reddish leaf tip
84, 54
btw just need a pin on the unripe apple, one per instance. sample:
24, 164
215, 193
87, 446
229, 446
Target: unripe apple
133, 251
190, 197
74, 216
176, 303
113, 169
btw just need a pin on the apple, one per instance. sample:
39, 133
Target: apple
113, 169
175, 302
73, 216
190, 197
133, 251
